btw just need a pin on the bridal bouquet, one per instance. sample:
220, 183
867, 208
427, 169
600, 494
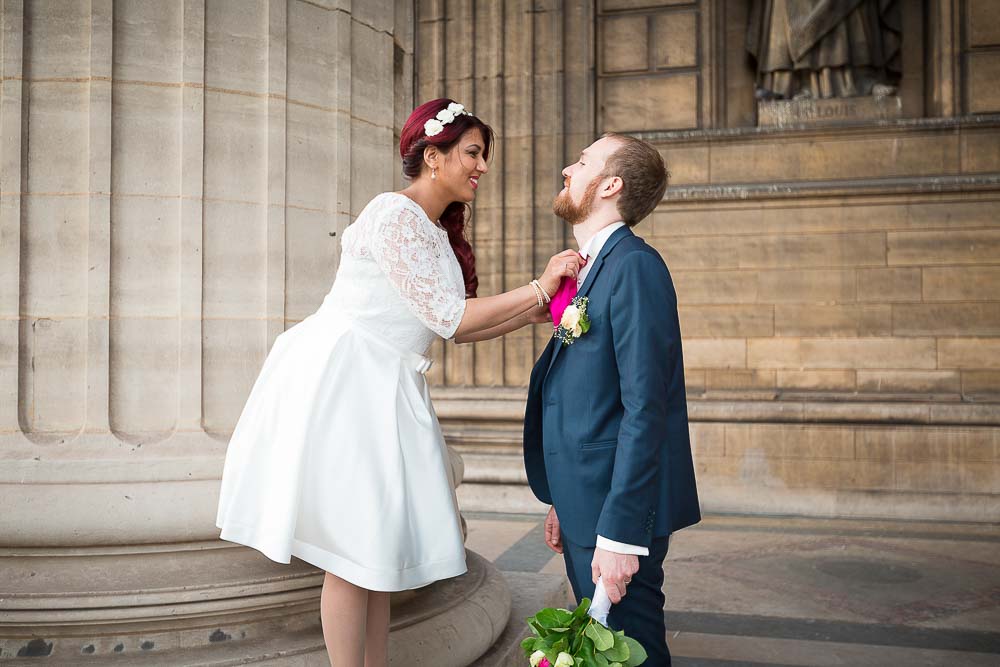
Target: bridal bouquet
564, 638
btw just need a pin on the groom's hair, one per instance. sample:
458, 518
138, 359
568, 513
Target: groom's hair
644, 176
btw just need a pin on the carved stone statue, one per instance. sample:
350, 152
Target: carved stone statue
820, 49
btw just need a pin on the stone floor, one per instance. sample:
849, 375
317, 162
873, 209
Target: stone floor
787, 591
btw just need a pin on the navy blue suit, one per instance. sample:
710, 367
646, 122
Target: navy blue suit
606, 431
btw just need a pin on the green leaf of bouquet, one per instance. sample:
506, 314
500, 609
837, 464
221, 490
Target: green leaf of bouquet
601, 636
550, 619
581, 611
528, 644
607, 640
595, 660
616, 664
619, 652
636, 653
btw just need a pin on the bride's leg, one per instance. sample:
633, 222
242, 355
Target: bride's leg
377, 632
343, 609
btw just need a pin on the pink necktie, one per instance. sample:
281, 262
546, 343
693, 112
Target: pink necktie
562, 298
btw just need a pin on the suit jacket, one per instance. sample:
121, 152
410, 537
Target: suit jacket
606, 431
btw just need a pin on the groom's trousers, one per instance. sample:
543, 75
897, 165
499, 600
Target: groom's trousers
640, 613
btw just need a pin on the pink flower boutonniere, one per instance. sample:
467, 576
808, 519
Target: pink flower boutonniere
574, 322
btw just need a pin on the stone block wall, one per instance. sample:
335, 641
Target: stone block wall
524, 68
839, 292
838, 285
175, 179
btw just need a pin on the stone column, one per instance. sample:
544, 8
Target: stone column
175, 178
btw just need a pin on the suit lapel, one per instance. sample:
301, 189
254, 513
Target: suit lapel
609, 245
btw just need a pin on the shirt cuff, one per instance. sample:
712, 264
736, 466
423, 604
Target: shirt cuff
620, 548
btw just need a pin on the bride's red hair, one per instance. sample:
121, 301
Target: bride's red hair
412, 142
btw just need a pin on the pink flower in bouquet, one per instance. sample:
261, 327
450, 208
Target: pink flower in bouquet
544, 663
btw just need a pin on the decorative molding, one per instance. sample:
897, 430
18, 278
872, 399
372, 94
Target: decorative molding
874, 127
492, 411
837, 188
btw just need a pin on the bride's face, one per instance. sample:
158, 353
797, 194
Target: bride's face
460, 168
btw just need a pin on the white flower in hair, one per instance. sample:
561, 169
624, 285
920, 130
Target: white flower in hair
433, 127
445, 116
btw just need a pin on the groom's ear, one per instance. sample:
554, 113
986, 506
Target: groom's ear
611, 187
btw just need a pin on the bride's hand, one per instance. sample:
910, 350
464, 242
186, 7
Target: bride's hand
566, 264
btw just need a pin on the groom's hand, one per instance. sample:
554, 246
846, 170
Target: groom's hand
616, 571
539, 315
553, 536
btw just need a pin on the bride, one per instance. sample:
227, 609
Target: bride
337, 457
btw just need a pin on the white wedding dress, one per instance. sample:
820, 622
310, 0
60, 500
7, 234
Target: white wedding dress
337, 457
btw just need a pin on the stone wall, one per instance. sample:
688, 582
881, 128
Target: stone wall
523, 67
837, 283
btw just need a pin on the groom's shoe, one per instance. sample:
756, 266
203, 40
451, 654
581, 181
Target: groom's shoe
640, 613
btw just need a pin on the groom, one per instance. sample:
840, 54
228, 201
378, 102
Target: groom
606, 431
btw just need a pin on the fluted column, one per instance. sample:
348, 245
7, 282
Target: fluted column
175, 180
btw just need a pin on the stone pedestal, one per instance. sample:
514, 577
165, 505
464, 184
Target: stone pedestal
209, 603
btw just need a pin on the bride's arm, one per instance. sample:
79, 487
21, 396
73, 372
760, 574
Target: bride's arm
485, 313
400, 239
502, 311
513, 324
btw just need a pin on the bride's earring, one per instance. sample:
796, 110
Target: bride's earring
434, 173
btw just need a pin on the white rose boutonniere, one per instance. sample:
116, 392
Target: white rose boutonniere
574, 322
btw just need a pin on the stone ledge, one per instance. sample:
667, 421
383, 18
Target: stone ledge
732, 495
495, 414
832, 188
880, 127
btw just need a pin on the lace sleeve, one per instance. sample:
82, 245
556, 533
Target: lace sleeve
405, 249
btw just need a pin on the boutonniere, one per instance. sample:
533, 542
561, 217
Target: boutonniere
574, 322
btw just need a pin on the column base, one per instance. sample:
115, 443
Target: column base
218, 604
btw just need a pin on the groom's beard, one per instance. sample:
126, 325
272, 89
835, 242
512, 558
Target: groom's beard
574, 214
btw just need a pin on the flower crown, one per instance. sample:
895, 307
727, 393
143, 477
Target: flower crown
436, 125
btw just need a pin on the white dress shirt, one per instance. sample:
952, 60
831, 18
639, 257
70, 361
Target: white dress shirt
591, 249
